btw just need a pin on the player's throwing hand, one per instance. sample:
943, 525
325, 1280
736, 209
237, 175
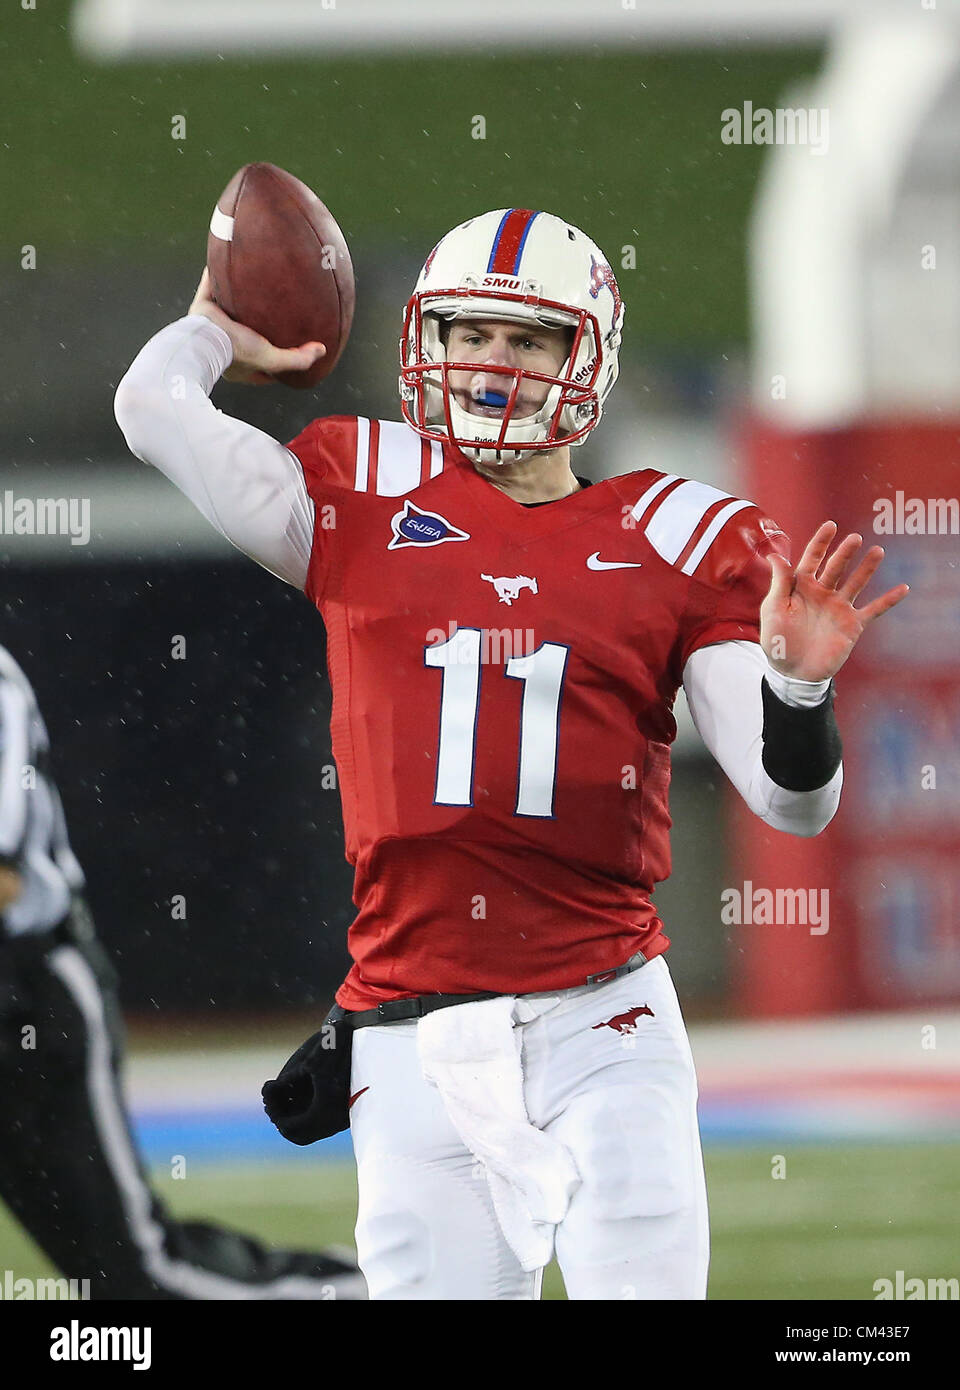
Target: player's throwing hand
808, 624
255, 360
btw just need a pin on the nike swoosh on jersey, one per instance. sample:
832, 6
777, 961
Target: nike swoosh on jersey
595, 563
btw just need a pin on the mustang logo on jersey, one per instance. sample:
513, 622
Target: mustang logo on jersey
509, 589
415, 527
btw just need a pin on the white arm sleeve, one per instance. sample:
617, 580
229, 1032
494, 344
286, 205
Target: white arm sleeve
249, 485
722, 686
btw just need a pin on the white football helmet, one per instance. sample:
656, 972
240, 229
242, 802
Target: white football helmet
520, 266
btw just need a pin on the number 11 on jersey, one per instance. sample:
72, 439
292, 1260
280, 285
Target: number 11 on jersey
542, 673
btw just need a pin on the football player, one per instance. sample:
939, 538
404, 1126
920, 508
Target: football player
70, 1171
505, 642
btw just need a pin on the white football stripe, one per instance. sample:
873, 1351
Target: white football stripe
436, 458
399, 460
363, 450
653, 491
709, 535
678, 516
221, 225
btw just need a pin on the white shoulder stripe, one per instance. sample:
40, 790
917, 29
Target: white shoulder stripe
363, 453
678, 516
653, 491
710, 534
436, 458
399, 460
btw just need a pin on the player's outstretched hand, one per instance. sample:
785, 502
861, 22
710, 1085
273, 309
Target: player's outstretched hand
255, 360
808, 624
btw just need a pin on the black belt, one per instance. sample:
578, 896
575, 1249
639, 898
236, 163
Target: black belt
396, 1010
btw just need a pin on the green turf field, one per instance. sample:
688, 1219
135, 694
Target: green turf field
842, 1217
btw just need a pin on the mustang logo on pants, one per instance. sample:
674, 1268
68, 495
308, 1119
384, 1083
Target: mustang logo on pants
625, 1022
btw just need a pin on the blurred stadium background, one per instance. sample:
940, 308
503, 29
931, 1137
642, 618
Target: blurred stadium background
792, 334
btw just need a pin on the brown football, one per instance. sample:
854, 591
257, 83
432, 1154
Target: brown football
279, 264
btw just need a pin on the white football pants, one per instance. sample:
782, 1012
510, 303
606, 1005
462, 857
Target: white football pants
621, 1097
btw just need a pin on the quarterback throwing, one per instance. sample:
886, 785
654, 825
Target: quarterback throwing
505, 642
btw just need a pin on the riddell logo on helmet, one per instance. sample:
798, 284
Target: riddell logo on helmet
501, 282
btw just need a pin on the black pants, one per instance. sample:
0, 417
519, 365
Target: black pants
69, 1169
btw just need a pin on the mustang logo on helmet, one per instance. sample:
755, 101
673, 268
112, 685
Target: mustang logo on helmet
601, 274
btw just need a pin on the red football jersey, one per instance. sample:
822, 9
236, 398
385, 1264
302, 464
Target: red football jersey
503, 683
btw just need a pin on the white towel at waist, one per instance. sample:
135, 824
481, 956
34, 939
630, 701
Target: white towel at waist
471, 1053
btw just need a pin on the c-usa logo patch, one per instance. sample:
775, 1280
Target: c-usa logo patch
413, 526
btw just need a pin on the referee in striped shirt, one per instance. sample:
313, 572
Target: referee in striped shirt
69, 1170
